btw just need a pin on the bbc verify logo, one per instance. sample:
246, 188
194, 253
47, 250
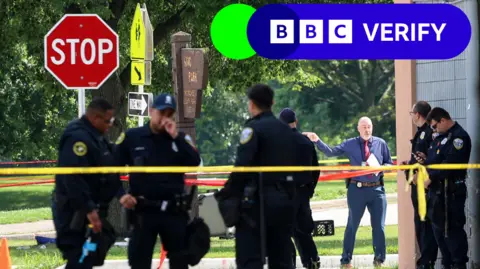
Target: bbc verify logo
341, 31
359, 31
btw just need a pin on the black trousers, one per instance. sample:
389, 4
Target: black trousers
302, 233
171, 227
424, 234
449, 231
279, 220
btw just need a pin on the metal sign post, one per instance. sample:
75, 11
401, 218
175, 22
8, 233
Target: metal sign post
141, 51
81, 102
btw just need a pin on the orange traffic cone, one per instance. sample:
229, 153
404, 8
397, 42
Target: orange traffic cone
5, 261
163, 255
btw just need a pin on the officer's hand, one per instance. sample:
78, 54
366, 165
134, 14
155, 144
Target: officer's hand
171, 127
95, 221
420, 157
128, 201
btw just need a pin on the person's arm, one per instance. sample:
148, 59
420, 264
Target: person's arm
327, 150
331, 152
245, 156
191, 157
122, 157
387, 158
316, 173
74, 153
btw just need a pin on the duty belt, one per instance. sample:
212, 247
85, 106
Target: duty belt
163, 205
361, 184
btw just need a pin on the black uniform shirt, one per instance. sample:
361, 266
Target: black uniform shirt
421, 141
141, 147
264, 141
453, 146
81, 145
306, 156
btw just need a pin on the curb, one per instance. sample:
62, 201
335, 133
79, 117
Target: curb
327, 262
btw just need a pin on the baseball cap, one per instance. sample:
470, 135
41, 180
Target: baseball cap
164, 101
287, 115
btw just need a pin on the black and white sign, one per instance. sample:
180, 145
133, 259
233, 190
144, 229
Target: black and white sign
139, 103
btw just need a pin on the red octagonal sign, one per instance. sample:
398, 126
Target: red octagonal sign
81, 51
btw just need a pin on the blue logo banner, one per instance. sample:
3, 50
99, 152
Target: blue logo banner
359, 31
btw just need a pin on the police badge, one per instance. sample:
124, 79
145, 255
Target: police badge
458, 143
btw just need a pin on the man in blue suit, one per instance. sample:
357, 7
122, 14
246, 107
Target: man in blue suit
363, 191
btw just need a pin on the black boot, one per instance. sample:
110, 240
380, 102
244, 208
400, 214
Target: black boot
459, 266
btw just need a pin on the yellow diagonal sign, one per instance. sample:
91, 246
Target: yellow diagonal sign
137, 76
137, 36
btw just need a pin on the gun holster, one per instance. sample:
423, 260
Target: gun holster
347, 182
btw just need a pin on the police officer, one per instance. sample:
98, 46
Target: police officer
160, 205
306, 183
423, 229
79, 199
264, 141
446, 188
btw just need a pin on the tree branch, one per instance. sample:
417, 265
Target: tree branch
160, 33
117, 7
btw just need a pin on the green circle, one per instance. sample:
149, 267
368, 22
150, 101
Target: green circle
229, 31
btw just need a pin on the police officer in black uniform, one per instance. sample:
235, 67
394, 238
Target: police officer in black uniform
264, 141
80, 199
306, 183
423, 229
446, 188
160, 205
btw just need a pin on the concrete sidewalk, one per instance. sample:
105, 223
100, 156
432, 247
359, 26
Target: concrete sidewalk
359, 261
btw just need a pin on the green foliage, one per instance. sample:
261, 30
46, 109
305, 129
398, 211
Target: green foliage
220, 124
327, 95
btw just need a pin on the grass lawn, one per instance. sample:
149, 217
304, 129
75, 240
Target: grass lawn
37, 258
32, 203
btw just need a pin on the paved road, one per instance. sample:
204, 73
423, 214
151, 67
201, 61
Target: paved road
335, 210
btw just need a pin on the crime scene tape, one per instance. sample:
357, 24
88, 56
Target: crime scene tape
422, 174
217, 182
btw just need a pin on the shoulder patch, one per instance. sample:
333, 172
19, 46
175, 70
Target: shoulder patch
246, 135
120, 138
458, 143
422, 135
189, 140
80, 149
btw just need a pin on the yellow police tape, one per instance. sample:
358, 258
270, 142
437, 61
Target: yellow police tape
343, 160
422, 174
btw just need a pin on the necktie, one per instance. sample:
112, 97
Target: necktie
367, 151
367, 154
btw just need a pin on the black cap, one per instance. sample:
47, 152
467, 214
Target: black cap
287, 115
164, 101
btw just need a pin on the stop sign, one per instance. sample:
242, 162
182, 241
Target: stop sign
81, 51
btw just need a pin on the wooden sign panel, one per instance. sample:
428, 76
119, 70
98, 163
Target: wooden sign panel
195, 79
